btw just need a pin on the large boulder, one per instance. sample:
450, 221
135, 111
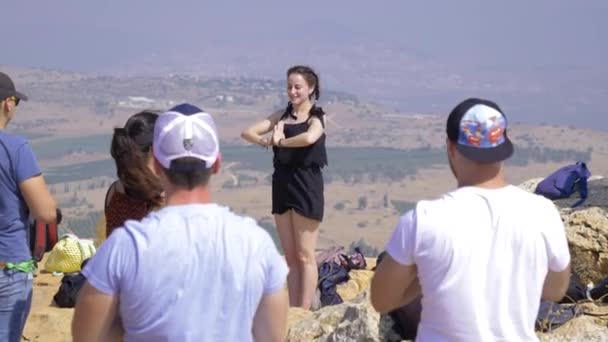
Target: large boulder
586, 228
354, 320
587, 231
359, 281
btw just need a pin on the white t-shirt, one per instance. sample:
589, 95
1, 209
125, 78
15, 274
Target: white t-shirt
482, 257
188, 273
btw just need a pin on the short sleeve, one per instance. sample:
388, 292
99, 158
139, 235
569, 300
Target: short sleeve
556, 241
26, 165
401, 244
275, 267
106, 269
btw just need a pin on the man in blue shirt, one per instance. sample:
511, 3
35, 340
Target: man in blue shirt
192, 271
23, 191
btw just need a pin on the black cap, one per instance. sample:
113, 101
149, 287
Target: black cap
479, 129
7, 88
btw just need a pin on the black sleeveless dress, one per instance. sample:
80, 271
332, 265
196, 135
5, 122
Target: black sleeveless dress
297, 181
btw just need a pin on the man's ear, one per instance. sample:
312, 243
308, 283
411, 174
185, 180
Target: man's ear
450, 145
217, 164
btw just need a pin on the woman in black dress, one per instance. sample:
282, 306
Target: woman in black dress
298, 142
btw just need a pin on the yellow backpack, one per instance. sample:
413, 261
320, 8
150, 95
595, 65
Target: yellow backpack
68, 254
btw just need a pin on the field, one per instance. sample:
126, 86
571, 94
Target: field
381, 161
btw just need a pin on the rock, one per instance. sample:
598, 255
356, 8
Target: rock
530, 185
587, 232
359, 281
295, 315
355, 320
597, 195
586, 228
582, 328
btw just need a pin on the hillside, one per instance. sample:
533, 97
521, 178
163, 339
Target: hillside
381, 160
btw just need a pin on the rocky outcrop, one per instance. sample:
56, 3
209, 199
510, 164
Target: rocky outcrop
587, 231
354, 320
586, 228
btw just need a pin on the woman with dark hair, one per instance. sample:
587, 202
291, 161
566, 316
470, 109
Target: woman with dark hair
137, 190
298, 143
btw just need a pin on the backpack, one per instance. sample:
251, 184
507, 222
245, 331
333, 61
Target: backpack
600, 291
332, 254
552, 315
564, 182
576, 290
70, 287
42, 238
337, 255
68, 291
68, 254
406, 319
330, 275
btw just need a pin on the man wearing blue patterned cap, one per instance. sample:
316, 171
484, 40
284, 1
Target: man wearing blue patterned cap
481, 256
193, 271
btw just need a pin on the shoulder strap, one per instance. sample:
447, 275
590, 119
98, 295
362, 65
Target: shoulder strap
320, 119
52, 235
39, 240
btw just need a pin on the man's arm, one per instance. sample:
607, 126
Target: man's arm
39, 200
557, 279
270, 320
96, 316
393, 285
556, 284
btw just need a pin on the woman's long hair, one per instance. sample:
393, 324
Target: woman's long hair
131, 148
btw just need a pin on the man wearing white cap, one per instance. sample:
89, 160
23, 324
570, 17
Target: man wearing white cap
193, 271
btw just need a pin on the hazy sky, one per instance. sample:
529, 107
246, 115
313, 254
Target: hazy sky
554, 50
94, 35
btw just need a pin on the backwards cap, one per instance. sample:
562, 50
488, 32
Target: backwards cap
185, 131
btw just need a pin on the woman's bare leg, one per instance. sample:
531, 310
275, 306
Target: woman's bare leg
306, 234
287, 237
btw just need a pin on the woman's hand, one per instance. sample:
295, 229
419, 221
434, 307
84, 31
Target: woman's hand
277, 133
265, 142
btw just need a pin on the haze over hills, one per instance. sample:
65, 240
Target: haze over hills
542, 61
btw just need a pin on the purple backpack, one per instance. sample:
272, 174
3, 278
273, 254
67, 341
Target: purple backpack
564, 182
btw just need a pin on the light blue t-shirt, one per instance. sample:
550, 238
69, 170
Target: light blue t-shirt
17, 164
188, 273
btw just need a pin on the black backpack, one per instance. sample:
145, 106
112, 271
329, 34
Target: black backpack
71, 284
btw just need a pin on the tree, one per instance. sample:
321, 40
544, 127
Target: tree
362, 202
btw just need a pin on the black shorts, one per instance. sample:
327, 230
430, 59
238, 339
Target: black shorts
300, 189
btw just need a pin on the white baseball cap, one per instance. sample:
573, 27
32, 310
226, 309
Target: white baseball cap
185, 131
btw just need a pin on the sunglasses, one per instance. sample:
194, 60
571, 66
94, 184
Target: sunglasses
15, 99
